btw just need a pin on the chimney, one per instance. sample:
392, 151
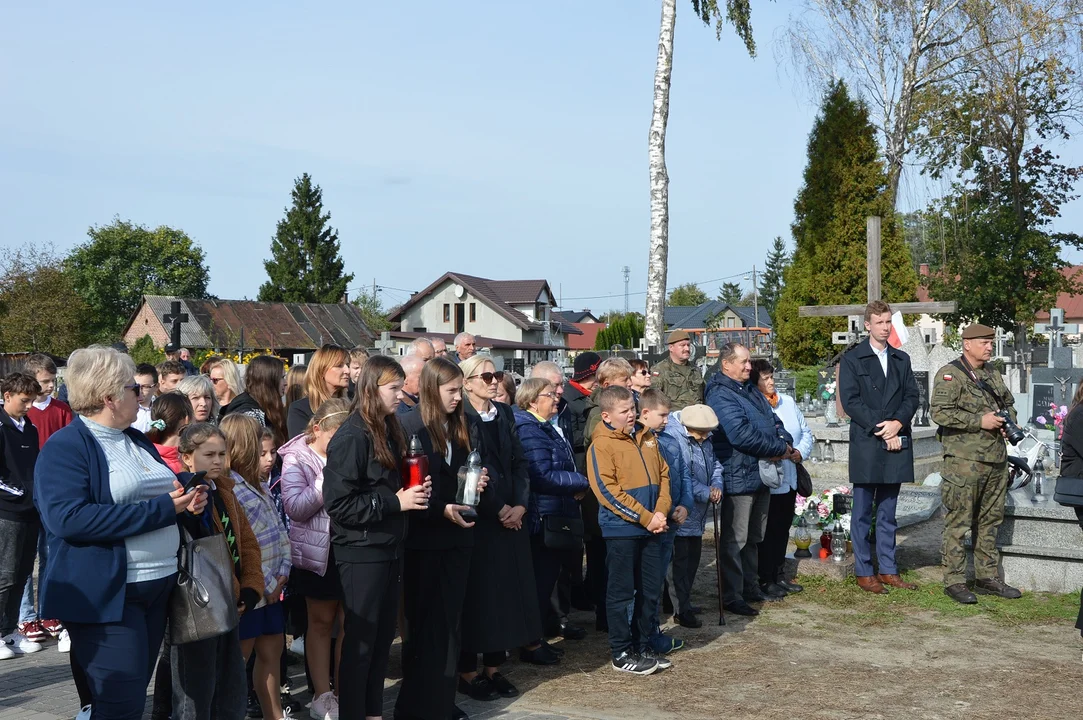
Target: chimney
346, 296
923, 269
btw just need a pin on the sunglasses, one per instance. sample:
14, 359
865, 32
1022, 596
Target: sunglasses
488, 377
134, 388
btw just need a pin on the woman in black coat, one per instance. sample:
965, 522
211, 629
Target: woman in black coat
439, 544
501, 609
1071, 463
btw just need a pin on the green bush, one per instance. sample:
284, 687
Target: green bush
144, 352
807, 381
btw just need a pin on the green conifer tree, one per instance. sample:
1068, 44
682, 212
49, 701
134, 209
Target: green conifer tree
305, 264
771, 280
844, 182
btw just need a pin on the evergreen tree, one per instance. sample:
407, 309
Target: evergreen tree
305, 264
730, 293
624, 330
844, 182
771, 280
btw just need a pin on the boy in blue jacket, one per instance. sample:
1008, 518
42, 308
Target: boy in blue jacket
653, 416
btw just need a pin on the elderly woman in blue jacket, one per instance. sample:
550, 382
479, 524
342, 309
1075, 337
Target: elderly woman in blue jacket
772, 559
555, 491
689, 433
109, 506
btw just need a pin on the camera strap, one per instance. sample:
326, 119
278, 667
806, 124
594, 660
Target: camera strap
962, 364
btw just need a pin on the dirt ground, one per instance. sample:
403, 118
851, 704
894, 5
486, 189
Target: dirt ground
803, 659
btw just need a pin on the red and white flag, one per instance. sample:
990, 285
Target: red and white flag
899, 333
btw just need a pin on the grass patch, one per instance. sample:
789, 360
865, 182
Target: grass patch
868, 609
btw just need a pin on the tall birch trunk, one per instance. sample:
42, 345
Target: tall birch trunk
658, 257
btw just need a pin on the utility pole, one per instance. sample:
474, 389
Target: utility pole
374, 304
756, 296
627, 274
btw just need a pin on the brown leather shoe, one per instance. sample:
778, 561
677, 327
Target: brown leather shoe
897, 582
869, 583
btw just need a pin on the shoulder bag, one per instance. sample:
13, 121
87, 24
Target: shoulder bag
202, 604
804, 481
1069, 491
561, 533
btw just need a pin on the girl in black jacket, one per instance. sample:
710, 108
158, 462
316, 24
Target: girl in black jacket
438, 548
1071, 464
363, 495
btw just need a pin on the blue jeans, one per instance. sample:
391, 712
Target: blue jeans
28, 610
118, 657
886, 498
635, 576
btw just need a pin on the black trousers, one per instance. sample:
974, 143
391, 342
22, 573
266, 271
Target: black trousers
547, 567
468, 662
370, 601
1079, 619
597, 574
434, 588
772, 551
686, 556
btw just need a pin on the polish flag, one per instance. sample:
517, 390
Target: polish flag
899, 334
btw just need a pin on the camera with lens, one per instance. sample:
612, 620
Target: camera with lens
1011, 430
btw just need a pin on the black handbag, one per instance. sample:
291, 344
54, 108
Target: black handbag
804, 481
559, 533
1069, 491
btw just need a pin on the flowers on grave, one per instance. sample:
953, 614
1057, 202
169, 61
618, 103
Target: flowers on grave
1055, 419
822, 507
828, 390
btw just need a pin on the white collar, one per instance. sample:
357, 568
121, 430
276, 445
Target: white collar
41, 405
490, 414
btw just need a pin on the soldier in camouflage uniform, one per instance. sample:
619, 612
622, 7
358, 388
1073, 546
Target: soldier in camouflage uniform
677, 378
975, 473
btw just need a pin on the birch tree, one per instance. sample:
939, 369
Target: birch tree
738, 14
892, 51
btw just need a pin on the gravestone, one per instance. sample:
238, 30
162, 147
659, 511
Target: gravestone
1041, 397
1054, 384
921, 417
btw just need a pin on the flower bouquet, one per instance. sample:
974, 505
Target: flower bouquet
824, 507
1055, 421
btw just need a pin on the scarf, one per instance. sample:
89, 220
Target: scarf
773, 399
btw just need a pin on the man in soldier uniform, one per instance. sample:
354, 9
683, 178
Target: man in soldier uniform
677, 378
967, 395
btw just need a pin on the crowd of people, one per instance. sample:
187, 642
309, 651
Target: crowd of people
427, 496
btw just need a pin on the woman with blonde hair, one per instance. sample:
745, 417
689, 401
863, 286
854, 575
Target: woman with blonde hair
226, 378
200, 391
109, 509
294, 388
328, 376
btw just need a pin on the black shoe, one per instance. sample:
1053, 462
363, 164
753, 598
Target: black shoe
629, 662
289, 705
254, 710
458, 714
479, 688
558, 651
503, 686
790, 586
571, 632
774, 590
541, 655
740, 607
998, 588
960, 593
688, 620
664, 663
757, 595
695, 609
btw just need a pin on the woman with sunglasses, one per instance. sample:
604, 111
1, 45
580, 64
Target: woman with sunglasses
501, 609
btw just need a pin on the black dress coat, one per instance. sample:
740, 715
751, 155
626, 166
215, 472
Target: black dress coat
868, 398
501, 609
1071, 465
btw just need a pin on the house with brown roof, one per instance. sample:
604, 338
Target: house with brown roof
286, 329
513, 318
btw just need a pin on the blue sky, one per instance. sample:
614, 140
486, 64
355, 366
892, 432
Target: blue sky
504, 139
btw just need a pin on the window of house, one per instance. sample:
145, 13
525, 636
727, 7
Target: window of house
473, 312
419, 329
447, 312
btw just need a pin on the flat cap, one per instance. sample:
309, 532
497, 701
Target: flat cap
977, 331
699, 417
676, 336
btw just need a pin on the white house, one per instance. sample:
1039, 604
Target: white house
513, 318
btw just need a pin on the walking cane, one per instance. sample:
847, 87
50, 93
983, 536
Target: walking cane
715, 507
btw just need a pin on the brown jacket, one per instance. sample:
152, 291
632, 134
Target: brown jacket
247, 546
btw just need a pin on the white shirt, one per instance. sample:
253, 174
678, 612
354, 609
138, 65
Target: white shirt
142, 420
881, 355
20, 423
42, 404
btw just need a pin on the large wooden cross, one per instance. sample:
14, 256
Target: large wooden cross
872, 232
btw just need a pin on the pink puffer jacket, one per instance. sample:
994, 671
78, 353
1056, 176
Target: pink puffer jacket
302, 497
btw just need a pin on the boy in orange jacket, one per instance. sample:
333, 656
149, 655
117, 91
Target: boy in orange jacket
631, 481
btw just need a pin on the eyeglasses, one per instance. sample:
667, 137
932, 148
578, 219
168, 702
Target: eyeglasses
134, 387
644, 371
488, 377
548, 395
217, 380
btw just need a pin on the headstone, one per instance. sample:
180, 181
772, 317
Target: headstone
1061, 356
940, 356
1041, 398
921, 417
785, 383
518, 366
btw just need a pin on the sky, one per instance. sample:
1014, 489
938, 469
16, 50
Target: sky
496, 138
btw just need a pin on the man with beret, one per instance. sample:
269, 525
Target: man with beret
677, 378
968, 393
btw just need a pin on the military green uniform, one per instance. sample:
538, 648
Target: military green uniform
975, 476
682, 384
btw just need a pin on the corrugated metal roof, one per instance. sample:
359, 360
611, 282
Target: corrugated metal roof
275, 326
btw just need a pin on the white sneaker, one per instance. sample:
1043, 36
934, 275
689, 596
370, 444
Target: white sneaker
84, 714
21, 645
6, 653
297, 647
63, 643
325, 707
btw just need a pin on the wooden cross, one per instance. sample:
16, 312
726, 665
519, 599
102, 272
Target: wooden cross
872, 232
175, 318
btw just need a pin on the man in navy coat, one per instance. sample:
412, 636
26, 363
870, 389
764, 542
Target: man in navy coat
877, 388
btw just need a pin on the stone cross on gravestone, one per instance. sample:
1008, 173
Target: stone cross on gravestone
175, 318
384, 343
